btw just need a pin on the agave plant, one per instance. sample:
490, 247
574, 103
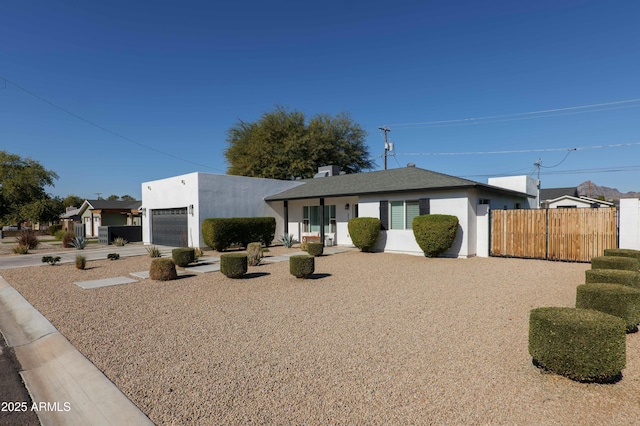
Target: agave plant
154, 251
79, 242
288, 241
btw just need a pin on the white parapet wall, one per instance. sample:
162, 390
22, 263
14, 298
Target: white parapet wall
630, 223
524, 184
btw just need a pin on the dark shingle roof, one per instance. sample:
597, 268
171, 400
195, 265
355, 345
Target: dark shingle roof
114, 205
553, 193
383, 181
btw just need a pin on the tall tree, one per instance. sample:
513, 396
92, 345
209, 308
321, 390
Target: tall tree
282, 145
113, 197
22, 193
127, 198
72, 201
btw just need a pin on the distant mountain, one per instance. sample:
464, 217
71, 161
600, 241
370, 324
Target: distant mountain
590, 189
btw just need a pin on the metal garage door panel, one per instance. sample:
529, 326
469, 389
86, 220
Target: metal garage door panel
169, 227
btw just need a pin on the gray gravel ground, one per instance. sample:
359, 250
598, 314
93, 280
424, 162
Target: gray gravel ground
371, 339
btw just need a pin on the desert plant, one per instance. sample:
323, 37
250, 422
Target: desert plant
54, 229
254, 254
28, 238
79, 243
582, 344
302, 265
183, 256
287, 240
315, 249
435, 233
197, 253
233, 265
622, 252
615, 299
119, 241
20, 249
59, 234
154, 251
51, 260
163, 269
67, 237
81, 262
613, 276
113, 256
364, 232
615, 262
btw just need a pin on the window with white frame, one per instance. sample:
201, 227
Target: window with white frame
402, 213
311, 219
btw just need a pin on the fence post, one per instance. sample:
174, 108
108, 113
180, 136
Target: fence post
546, 233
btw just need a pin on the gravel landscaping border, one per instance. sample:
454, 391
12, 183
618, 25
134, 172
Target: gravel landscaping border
371, 338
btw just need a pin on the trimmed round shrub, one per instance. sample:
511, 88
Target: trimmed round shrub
183, 256
615, 262
582, 344
614, 299
163, 269
623, 252
233, 265
435, 233
254, 254
315, 249
81, 262
613, 276
302, 265
364, 232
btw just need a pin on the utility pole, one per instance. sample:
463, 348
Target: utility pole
98, 194
386, 130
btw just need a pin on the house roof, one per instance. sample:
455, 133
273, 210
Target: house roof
109, 205
583, 200
553, 193
404, 179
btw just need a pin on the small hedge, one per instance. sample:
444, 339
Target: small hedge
615, 262
582, 344
614, 299
254, 254
221, 233
233, 265
183, 256
623, 252
53, 229
315, 249
435, 233
301, 266
364, 232
81, 262
163, 269
613, 276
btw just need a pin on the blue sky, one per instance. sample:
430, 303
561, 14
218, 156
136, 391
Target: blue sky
153, 86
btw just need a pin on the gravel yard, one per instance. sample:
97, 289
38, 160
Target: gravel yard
371, 339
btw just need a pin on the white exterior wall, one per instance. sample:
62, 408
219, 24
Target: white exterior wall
524, 184
212, 195
630, 223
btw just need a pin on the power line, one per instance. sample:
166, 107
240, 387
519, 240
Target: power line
6, 80
523, 115
620, 169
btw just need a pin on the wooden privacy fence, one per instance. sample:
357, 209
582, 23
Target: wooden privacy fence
554, 234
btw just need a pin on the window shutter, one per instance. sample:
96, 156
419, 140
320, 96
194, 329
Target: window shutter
384, 214
424, 206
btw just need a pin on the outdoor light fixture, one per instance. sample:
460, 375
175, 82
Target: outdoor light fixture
182, 181
346, 206
149, 188
191, 209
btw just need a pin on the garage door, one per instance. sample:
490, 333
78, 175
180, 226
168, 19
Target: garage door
169, 227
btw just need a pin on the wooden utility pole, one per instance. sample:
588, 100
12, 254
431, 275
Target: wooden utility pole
386, 130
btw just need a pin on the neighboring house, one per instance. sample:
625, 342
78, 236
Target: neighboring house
70, 217
174, 208
96, 213
570, 202
548, 194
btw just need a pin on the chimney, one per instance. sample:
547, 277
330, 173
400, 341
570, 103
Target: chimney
324, 171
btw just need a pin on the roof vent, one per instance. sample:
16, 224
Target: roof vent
411, 164
324, 171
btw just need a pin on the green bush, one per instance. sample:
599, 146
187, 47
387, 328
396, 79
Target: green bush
315, 249
623, 252
254, 254
582, 344
163, 269
20, 249
51, 260
614, 299
233, 265
435, 233
302, 265
221, 233
59, 234
67, 237
364, 232
183, 256
113, 256
53, 229
81, 262
613, 276
615, 262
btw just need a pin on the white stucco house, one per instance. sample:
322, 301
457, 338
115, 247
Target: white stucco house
571, 202
174, 208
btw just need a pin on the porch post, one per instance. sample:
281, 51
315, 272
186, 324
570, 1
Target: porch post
286, 217
322, 221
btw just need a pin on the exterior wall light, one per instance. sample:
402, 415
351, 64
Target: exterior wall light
191, 209
144, 211
346, 206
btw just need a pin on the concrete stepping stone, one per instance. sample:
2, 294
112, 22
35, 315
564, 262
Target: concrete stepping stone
145, 274
106, 282
203, 268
